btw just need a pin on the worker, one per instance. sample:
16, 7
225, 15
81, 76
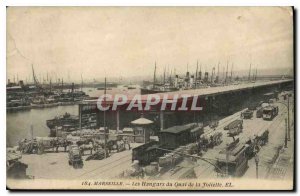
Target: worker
81, 150
91, 147
127, 142
212, 140
65, 144
57, 144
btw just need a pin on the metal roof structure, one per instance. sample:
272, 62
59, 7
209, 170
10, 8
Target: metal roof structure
178, 129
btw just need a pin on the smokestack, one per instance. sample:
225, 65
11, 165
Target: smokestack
206, 77
176, 81
200, 73
191, 81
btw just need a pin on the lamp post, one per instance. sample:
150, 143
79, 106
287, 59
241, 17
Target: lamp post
285, 140
287, 96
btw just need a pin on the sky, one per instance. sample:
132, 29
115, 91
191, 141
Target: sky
116, 42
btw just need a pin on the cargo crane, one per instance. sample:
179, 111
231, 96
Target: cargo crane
35, 80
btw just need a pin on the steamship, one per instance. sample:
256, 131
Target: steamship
157, 87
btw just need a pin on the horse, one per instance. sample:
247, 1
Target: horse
84, 147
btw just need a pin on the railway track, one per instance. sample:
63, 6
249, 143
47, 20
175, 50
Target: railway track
107, 166
208, 170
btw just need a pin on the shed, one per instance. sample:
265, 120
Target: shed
176, 136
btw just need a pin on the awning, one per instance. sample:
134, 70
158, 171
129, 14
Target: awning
141, 121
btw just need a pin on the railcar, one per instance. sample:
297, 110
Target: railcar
270, 112
232, 162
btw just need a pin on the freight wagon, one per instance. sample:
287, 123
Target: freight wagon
234, 124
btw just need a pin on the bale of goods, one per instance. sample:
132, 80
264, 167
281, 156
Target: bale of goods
233, 124
182, 148
165, 161
162, 161
178, 150
178, 158
151, 170
155, 164
187, 152
192, 148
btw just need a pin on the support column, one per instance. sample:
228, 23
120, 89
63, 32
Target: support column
118, 120
161, 117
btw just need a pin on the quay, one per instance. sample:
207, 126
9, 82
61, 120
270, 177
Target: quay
114, 166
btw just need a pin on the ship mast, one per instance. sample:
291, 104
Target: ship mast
81, 82
196, 76
218, 69
154, 77
231, 72
249, 73
256, 74
226, 73
165, 75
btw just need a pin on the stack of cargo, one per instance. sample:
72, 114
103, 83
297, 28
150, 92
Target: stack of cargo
151, 169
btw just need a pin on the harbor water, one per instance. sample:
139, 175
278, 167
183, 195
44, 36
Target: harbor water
18, 124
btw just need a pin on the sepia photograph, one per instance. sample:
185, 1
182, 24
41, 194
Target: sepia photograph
150, 98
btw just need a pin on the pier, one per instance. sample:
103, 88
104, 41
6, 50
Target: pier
216, 102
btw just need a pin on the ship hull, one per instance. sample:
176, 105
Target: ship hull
145, 91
